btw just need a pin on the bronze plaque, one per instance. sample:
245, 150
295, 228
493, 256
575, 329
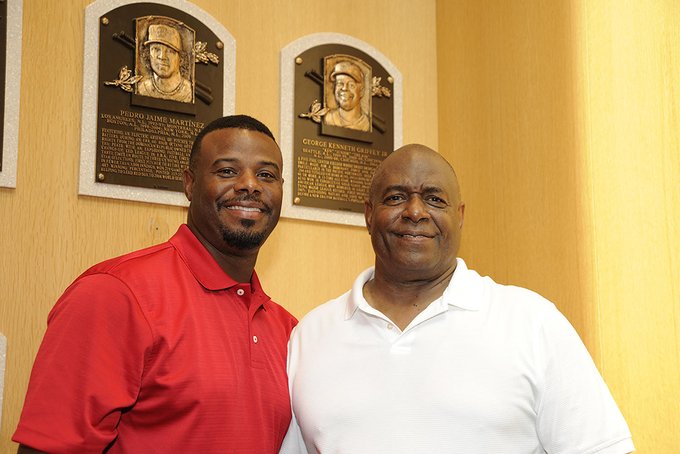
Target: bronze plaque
343, 126
160, 80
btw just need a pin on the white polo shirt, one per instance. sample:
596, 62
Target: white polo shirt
486, 368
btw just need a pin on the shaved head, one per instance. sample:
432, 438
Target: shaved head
411, 151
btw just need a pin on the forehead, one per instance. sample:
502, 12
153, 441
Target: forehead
416, 171
344, 78
239, 144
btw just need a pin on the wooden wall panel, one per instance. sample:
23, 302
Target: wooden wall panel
49, 234
507, 123
562, 121
629, 73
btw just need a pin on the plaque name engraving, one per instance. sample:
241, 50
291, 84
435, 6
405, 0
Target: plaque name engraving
137, 144
336, 171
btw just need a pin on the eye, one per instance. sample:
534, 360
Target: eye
435, 201
267, 175
393, 199
225, 172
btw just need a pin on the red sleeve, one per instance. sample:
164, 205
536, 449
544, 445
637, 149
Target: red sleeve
89, 367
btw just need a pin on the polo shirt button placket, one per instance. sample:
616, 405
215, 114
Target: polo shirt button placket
240, 292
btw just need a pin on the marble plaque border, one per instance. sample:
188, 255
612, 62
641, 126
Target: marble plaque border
10, 136
88, 133
288, 54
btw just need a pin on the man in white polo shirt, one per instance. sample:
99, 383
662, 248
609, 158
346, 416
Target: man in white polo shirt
423, 355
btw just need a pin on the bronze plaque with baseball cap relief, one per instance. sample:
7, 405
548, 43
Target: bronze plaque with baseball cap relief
343, 127
161, 52
161, 74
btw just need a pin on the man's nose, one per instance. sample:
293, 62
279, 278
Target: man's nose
248, 182
415, 209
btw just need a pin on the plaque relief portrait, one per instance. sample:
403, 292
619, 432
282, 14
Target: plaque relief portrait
343, 124
156, 74
347, 92
164, 59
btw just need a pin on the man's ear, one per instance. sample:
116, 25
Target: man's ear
188, 181
368, 214
461, 211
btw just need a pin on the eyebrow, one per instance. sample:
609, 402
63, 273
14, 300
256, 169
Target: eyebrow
403, 188
236, 161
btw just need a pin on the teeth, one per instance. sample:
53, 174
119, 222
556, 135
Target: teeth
235, 207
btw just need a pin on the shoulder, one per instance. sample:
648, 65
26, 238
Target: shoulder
323, 318
145, 86
119, 283
131, 264
331, 116
467, 288
507, 306
186, 92
364, 122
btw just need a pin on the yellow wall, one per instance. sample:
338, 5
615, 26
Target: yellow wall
49, 235
562, 119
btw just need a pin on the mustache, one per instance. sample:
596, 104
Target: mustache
244, 198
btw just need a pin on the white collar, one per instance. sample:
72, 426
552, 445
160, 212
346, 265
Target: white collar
462, 292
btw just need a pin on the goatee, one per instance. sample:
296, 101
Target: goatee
243, 239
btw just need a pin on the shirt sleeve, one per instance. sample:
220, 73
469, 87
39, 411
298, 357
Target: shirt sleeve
88, 369
576, 413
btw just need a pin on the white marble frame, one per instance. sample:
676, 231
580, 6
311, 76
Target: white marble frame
10, 137
288, 55
88, 134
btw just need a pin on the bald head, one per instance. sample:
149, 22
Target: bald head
408, 155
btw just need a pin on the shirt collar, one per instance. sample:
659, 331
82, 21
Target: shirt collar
356, 294
204, 267
462, 291
464, 288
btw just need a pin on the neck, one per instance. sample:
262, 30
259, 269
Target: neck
167, 86
350, 115
402, 300
238, 264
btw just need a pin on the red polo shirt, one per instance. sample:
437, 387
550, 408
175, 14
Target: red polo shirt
160, 351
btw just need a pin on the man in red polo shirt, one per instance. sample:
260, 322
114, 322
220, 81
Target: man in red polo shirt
175, 348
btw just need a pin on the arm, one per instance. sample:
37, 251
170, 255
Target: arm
88, 368
576, 413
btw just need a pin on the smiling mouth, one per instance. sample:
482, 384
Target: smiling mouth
242, 208
412, 235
